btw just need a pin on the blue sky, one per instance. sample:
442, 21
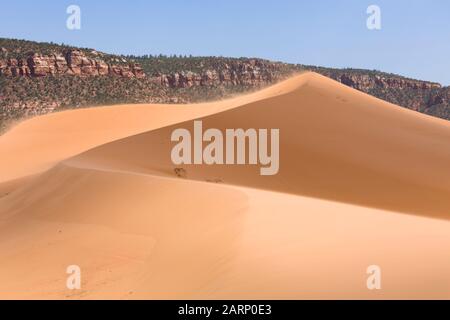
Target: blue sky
414, 39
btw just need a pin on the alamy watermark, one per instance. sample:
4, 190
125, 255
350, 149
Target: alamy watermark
190, 150
73, 21
73, 281
374, 20
374, 280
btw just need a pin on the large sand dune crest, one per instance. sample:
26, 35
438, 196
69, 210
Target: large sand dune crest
336, 143
55, 137
361, 182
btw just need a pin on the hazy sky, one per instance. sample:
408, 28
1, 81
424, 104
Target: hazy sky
414, 39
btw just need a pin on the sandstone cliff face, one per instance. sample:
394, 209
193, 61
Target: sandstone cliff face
255, 72
249, 72
72, 62
366, 82
14, 67
413, 94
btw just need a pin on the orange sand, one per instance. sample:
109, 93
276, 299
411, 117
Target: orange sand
361, 182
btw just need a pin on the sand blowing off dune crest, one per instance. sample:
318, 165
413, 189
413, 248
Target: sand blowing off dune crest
361, 182
55, 137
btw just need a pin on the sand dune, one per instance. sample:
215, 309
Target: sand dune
55, 137
361, 182
335, 143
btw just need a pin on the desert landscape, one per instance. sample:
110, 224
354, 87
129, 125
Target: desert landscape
361, 182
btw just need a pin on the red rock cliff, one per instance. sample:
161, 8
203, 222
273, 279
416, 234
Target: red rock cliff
73, 62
